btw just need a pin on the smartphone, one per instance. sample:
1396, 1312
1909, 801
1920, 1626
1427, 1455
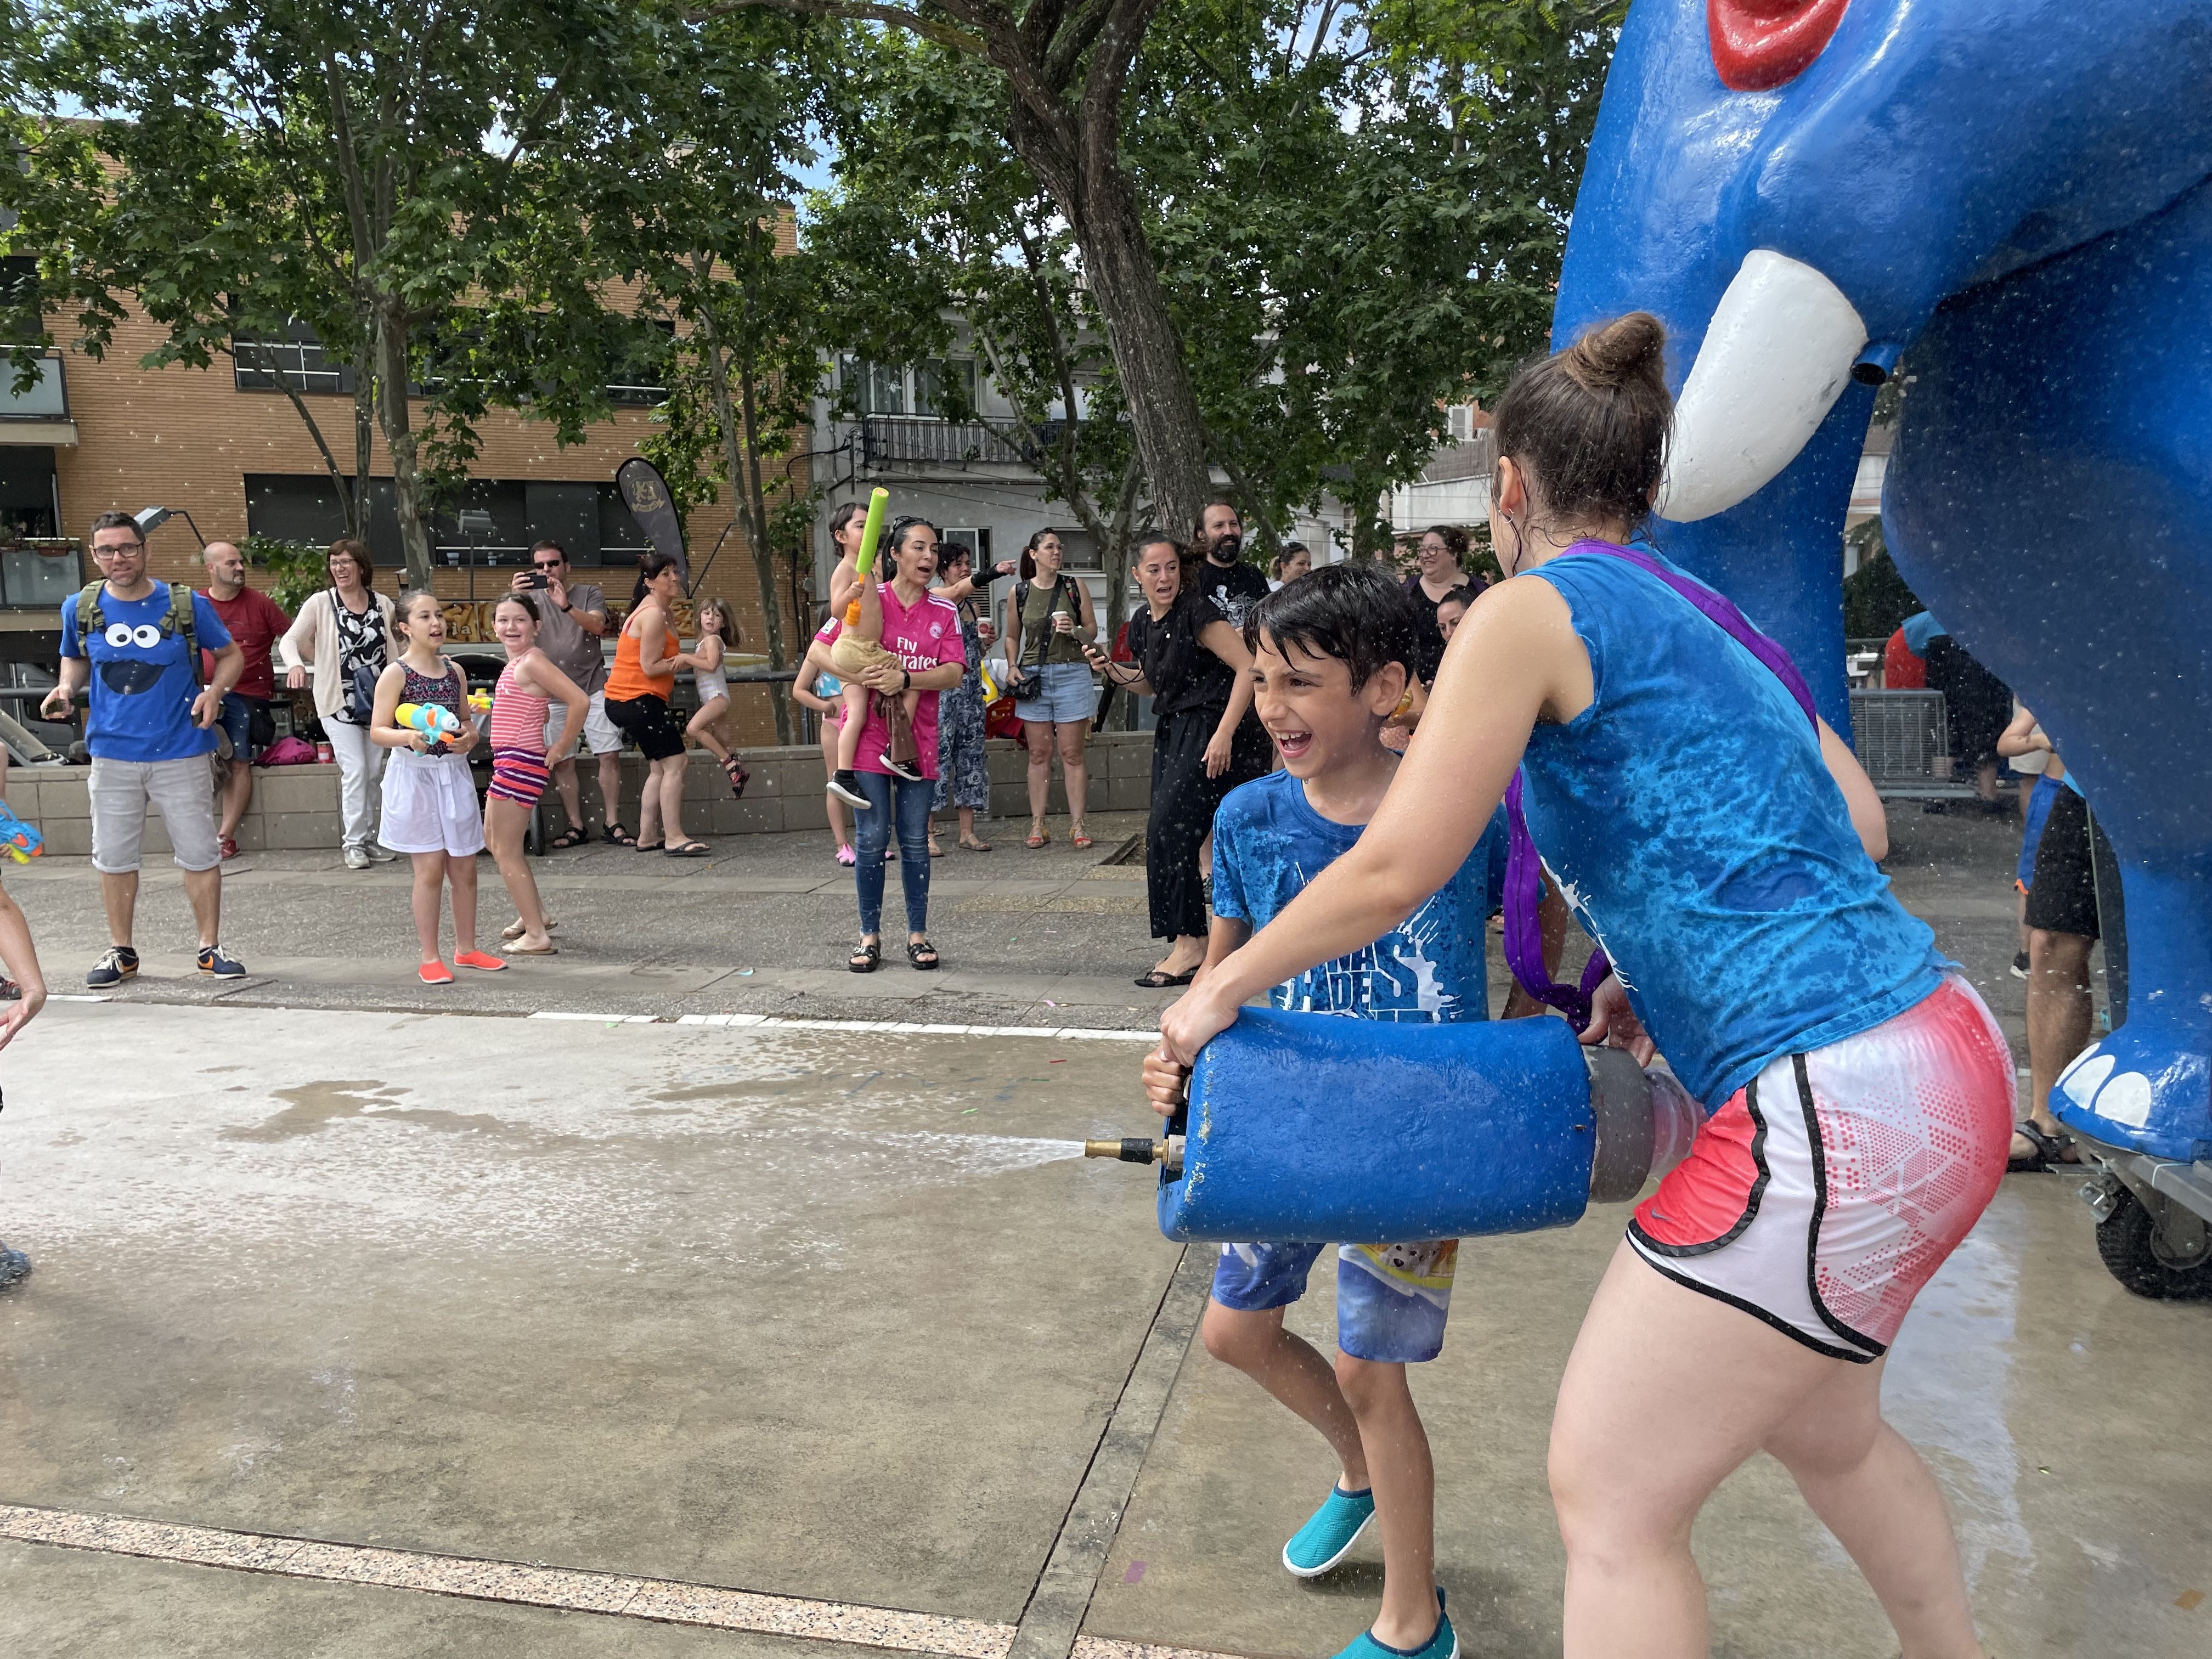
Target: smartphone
538, 579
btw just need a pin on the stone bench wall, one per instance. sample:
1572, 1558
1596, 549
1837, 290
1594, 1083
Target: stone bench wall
295, 808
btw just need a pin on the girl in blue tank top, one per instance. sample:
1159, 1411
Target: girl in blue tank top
1719, 844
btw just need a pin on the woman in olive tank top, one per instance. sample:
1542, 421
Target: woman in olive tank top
1049, 619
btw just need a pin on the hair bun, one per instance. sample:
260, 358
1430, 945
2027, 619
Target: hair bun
1628, 348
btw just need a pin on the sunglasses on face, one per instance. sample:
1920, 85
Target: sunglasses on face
542, 564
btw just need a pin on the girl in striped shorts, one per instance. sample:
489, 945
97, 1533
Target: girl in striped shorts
528, 683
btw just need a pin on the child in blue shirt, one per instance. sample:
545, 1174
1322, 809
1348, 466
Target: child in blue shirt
1330, 654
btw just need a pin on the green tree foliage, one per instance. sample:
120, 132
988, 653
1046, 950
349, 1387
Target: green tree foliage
357, 165
682, 185
1358, 216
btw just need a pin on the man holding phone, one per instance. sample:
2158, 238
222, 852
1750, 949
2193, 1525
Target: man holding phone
572, 621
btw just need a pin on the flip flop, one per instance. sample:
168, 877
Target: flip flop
690, 849
1157, 981
648, 846
516, 948
516, 929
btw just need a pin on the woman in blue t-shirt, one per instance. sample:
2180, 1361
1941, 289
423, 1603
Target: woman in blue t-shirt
1719, 843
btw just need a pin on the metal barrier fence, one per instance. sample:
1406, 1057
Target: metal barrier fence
1902, 739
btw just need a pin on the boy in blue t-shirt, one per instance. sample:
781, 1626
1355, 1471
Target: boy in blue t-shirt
1331, 653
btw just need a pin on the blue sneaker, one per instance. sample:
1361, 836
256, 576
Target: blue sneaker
1328, 1537
1444, 1645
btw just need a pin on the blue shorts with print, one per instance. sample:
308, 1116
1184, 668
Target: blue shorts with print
1064, 694
1391, 1299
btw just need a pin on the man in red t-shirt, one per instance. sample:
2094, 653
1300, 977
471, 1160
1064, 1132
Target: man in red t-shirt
257, 623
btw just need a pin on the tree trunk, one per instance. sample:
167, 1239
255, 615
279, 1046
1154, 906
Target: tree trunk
393, 413
743, 498
364, 440
1095, 197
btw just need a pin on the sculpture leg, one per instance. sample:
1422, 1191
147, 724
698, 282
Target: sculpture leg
2049, 499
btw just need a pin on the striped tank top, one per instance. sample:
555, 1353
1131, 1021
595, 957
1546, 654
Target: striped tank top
518, 717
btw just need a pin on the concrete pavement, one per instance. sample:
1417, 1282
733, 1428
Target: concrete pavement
815, 1340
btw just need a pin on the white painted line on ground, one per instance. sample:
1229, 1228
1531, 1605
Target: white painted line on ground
571, 1590
897, 1027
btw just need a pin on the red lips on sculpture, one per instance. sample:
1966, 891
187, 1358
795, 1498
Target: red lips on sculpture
1760, 44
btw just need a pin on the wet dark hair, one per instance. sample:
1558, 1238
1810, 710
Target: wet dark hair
649, 566
522, 599
1352, 612
1462, 596
1590, 423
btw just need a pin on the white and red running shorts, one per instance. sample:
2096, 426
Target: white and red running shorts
1831, 1187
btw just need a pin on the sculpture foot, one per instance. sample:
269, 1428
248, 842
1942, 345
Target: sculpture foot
2138, 1090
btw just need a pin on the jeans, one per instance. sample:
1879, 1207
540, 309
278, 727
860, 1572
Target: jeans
910, 802
360, 764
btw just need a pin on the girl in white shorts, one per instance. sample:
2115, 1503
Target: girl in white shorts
430, 799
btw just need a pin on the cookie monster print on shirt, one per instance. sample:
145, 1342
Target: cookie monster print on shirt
1269, 843
143, 684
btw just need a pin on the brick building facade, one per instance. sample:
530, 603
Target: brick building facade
226, 445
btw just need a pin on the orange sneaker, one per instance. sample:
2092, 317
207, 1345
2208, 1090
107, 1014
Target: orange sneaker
489, 964
434, 973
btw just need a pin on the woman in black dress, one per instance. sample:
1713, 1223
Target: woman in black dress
1196, 670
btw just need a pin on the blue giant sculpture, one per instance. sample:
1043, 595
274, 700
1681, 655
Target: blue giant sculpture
2016, 192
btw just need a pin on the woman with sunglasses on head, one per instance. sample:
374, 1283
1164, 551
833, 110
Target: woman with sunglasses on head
1720, 840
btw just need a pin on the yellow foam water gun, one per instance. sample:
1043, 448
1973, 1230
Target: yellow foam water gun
433, 721
878, 500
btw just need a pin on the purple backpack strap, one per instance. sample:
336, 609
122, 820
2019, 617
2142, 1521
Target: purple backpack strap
1525, 867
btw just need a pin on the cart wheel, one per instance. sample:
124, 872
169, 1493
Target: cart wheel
2142, 1259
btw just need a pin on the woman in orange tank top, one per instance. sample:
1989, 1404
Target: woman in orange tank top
638, 692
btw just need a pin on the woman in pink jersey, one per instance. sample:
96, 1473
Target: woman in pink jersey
519, 772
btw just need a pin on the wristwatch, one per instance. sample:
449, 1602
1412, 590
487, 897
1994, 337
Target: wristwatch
906, 680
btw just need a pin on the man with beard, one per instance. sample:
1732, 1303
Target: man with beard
1222, 575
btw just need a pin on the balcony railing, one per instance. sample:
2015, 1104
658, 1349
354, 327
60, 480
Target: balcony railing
884, 442
48, 400
40, 572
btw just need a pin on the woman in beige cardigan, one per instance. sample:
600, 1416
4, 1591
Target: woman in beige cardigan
348, 625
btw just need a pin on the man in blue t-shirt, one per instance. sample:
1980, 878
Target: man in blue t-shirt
151, 729
1331, 655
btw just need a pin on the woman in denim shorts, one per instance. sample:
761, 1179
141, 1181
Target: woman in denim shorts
1048, 621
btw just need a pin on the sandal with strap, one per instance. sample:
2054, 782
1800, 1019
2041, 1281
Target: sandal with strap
917, 948
736, 775
2049, 1154
616, 836
867, 956
572, 836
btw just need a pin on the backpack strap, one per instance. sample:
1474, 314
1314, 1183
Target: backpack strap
89, 618
1524, 879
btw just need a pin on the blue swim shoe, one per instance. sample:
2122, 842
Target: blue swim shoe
1328, 1538
1444, 1645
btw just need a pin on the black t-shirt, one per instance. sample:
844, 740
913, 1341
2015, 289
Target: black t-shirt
1233, 589
1185, 675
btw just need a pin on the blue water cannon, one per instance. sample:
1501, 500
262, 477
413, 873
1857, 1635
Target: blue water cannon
1313, 1126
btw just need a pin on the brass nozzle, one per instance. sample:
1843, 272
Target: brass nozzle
1166, 1150
1130, 1150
